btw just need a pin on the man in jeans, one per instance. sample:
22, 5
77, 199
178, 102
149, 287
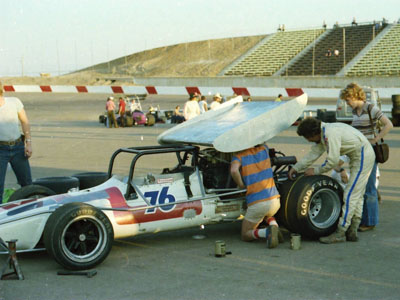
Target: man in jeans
251, 169
14, 148
110, 107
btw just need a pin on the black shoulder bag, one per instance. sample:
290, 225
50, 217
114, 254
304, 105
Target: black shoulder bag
382, 149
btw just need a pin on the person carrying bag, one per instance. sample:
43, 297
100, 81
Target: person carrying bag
381, 149
365, 119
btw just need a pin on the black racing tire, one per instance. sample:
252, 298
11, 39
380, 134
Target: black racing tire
78, 236
321, 114
90, 179
31, 191
102, 118
396, 120
396, 111
60, 184
151, 120
396, 101
128, 121
330, 117
311, 205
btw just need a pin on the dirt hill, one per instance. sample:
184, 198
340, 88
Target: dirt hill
204, 58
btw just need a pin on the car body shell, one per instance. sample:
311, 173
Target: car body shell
161, 203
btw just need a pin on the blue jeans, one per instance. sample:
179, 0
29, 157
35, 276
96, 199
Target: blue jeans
370, 216
15, 155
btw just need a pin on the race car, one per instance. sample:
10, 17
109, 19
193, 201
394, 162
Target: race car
78, 228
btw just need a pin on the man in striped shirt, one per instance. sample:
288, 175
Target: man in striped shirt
251, 169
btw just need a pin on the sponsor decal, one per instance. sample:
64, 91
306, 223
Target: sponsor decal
165, 180
172, 210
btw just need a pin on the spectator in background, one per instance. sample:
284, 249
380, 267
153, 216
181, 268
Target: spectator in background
249, 99
203, 104
14, 148
328, 53
177, 116
279, 98
216, 101
324, 25
110, 107
354, 23
336, 52
121, 111
191, 108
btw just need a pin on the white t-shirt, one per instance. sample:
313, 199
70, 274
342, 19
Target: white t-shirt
214, 105
191, 109
201, 105
9, 122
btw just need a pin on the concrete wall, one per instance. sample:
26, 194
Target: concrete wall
271, 82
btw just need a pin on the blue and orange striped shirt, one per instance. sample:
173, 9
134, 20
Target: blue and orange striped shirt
257, 174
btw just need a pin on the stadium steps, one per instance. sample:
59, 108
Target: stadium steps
382, 59
351, 38
276, 51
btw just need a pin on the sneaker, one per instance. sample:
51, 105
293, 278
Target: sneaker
337, 237
364, 228
272, 236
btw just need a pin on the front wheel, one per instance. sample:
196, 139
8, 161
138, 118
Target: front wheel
78, 236
311, 205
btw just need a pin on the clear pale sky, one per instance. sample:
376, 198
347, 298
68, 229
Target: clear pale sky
59, 36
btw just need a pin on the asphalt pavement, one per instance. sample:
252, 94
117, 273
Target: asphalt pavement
67, 139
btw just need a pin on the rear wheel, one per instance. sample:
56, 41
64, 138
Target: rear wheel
90, 179
311, 205
78, 236
59, 184
31, 191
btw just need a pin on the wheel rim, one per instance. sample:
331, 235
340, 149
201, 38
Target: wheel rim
84, 239
324, 208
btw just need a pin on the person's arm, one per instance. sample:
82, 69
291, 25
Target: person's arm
309, 158
26, 129
387, 126
235, 173
333, 153
185, 113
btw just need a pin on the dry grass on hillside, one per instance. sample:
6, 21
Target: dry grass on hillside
205, 58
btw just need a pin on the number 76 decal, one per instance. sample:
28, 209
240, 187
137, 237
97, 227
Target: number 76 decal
159, 199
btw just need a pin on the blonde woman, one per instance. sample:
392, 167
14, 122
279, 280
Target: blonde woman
355, 97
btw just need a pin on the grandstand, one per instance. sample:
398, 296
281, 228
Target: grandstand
272, 53
364, 50
383, 59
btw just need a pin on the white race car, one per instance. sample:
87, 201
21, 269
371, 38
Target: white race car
78, 228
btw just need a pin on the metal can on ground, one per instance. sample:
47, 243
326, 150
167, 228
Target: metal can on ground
220, 249
295, 241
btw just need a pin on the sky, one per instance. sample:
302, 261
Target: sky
60, 36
